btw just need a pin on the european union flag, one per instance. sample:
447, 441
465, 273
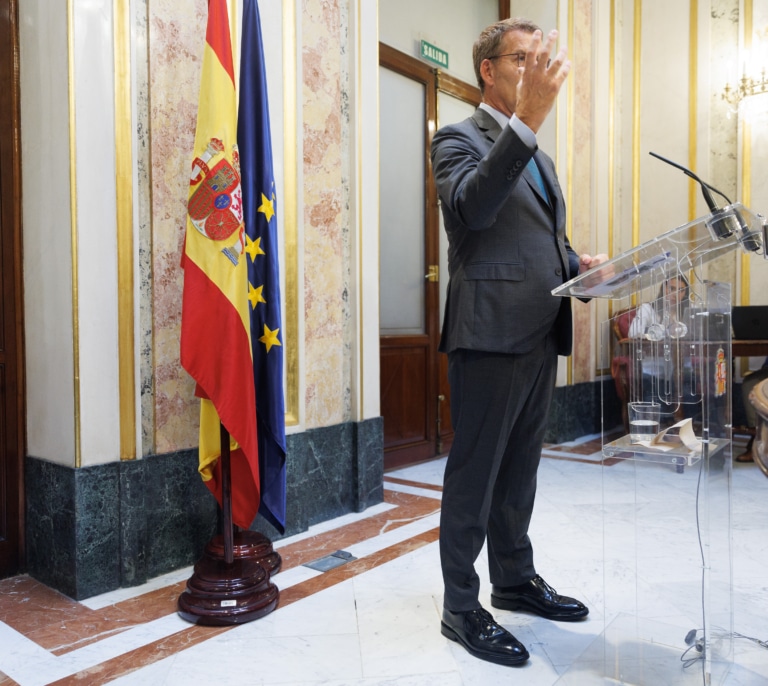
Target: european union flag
260, 217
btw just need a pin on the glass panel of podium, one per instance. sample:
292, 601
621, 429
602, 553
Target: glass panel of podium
666, 606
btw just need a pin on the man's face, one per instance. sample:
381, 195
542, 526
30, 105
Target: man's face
502, 73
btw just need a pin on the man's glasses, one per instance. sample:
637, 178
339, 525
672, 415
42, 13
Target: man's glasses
518, 56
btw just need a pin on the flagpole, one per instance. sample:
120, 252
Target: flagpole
226, 497
237, 542
228, 588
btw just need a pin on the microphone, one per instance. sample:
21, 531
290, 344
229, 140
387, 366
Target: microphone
724, 222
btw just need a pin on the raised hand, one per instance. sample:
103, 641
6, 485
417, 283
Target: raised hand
540, 79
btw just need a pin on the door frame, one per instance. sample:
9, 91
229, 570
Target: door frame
413, 449
438, 432
12, 383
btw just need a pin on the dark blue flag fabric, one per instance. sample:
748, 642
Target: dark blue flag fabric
260, 218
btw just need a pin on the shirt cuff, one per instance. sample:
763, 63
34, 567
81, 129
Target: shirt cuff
525, 133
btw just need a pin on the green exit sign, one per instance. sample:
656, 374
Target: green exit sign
434, 54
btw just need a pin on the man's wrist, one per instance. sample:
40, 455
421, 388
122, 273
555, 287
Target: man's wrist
524, 131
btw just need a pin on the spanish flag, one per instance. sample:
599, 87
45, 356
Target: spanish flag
216, 345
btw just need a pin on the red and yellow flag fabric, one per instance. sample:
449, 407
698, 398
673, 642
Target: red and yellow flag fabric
216, 345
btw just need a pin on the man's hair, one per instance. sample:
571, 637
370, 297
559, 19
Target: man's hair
487, 45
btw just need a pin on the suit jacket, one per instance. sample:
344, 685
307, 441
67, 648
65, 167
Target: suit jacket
507, 247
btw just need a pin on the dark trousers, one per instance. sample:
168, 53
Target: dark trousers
499, 409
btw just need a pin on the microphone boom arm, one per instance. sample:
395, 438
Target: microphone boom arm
725, 221
705, 187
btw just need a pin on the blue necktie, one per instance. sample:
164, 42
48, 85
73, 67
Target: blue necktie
534, 169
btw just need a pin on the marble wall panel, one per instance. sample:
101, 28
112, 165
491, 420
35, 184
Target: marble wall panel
143, 220
95, 529
179, 512
331, 471
581, 208
50, 518
369, 465
325, 212
133, 523
176, 42
577, 410
73, 526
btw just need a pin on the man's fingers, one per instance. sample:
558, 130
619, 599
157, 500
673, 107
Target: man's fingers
548, 47
532, 53
539, 51
559, 60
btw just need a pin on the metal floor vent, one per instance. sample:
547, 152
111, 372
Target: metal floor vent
325, 564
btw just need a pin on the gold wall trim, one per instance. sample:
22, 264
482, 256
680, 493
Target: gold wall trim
611, 228
124, 204
360, 206
746, 160
611, 123
73, 228
556, 156
569, 129
569, 155
290, 215
636, 54
359, 221
693, 97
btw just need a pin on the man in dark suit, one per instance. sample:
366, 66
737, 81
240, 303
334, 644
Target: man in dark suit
503, 330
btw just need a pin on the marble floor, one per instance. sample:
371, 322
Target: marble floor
620, 535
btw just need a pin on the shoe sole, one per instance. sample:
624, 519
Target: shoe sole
516, 606
446, 631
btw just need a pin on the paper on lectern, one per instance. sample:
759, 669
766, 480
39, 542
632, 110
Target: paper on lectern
675, 437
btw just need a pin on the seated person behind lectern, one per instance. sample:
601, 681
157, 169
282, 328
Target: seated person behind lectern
747, 385
651, 325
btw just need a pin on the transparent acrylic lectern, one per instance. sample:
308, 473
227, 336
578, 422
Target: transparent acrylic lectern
666, 607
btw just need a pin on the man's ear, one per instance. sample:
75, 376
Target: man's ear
486, 71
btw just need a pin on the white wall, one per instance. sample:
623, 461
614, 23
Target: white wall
47, 230
452, 27
96, 230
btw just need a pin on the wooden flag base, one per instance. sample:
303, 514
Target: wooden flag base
221, 593
230, 583
250, 545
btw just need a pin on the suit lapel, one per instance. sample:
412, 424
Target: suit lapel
557, 203
487, 124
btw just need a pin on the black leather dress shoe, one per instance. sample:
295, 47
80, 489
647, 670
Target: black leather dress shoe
479, 633
539, 597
